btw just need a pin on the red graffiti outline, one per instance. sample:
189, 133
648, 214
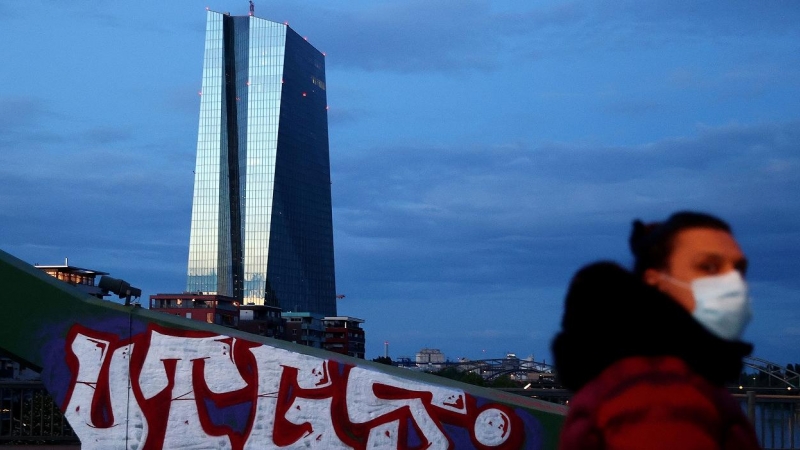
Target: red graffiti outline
246, 365
101, 400
285, 432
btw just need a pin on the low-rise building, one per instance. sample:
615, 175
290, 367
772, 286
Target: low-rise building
303, 328
262, 320
343, 334
209, 308
431, 357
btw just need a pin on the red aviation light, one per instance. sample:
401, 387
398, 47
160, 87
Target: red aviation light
247, 83
200, 93
327, 107
207, 8
304, 94
286, 23
305, 38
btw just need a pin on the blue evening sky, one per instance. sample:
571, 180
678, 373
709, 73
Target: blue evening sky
481, 151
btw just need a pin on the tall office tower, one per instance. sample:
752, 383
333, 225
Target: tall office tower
262, 226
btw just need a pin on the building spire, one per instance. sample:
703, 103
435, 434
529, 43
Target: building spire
252, 8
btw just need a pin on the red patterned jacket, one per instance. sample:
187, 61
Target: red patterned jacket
644, 373
655, 403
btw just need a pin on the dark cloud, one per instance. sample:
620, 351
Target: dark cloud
24, 113
729, 19
501, 220
456, 36
338, 116
409, 37
471, 182
106, 135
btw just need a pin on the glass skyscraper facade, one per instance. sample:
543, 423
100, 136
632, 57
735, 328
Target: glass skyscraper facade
262, 228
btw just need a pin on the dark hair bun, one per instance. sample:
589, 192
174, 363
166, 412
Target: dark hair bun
639, 236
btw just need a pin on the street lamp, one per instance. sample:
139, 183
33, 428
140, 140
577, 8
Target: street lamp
119, 287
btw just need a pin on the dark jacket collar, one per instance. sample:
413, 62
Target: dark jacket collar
609, 314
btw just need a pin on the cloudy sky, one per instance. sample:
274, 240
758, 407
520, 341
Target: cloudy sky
481, 151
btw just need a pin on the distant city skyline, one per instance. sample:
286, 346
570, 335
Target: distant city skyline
481, 152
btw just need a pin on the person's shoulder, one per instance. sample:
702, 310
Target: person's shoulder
663, 385
659, 393
651, 369
640, 383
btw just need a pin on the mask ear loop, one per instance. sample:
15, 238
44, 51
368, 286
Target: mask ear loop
675, 281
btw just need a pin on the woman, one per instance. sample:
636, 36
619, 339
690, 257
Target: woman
648, 352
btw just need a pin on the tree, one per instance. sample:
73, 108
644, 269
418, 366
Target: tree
462, 376
384, 360
504, 381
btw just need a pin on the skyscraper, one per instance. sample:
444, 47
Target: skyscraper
262, 226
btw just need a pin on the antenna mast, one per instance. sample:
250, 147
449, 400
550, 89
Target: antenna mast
252, 8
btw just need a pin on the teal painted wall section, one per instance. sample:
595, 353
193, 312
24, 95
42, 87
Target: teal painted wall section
130, 378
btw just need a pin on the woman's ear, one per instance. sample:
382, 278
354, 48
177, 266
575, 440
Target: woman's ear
651, 277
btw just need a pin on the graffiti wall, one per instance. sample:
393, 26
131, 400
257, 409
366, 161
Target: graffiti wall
132, 379
169, 388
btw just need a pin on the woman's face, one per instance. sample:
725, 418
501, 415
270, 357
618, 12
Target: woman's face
696, 253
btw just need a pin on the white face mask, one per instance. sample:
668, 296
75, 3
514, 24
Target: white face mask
722, 303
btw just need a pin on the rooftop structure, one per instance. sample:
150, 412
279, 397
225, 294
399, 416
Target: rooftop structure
83, 279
